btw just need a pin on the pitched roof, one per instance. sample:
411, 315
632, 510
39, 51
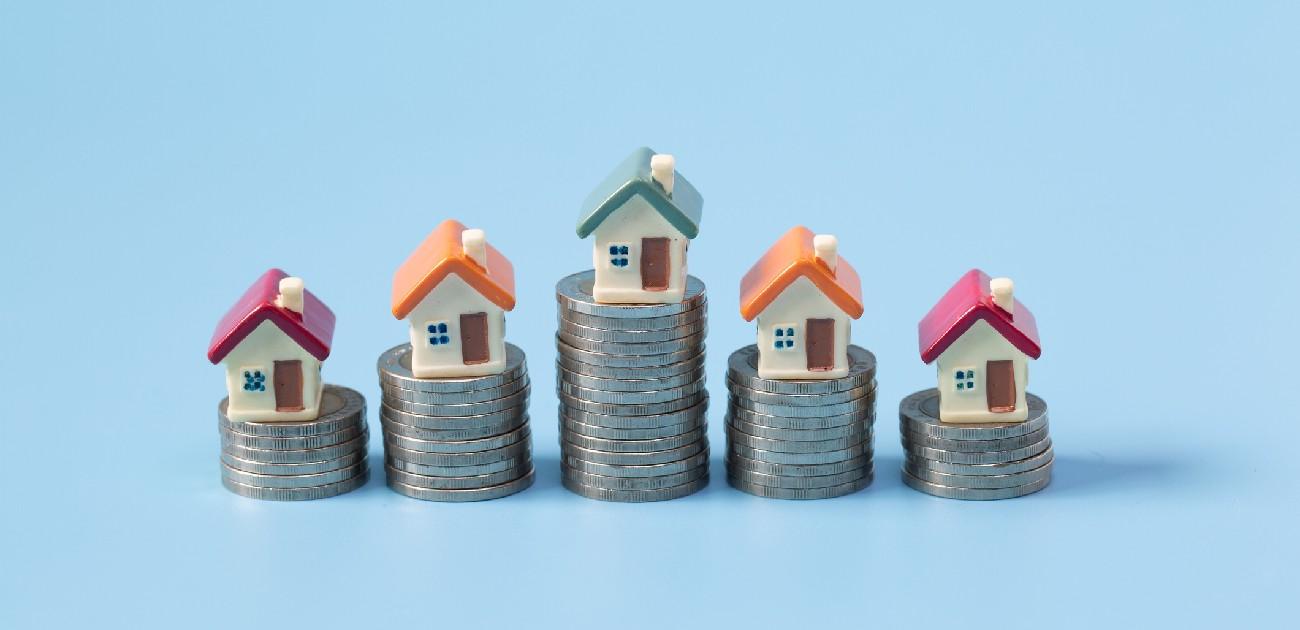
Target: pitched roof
313, 329
792, 257
441, 254
683, 209
969, 300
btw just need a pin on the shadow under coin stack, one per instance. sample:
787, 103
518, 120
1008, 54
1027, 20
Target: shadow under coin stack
633, 408
455, 439
800, 439
974, 461
298, 461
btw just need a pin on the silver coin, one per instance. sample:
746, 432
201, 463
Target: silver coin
973, 494
801, 493
571, 450
803, 400
453, 398
1008, 468
742, 368
978, 457
684, 344
574, 293
456, 483
657, 421
459, 411
297, 494
292, 443
789, 446
919, 412
685, 318
518, 461
648, 397
636, 496
603, 359
458, 459
340, 408
857, 429
975, 446
604, 335
462, 446
305, 468
856, 406
395, 369
460, 496
687, 365
647, 409
778, 457
633, 446
798, 470
453, 435
634, 483
299, 456
593, 431
648, 470
292, 481
819, 481
628, 385
783, 422
449, 423
980, 481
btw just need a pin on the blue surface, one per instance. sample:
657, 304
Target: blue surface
1134, 168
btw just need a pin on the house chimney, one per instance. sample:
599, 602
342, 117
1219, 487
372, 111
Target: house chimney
475, 244
1003, 289
827, 247
290, 297
662, 168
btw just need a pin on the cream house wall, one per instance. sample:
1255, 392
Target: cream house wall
260, 350
634, 220
980, 344
449, 300
800, 301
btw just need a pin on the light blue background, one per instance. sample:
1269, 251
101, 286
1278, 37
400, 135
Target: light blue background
1133, 166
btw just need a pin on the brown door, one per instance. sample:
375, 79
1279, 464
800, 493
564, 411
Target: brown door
1000, 386
820, 344
288, 386
654, 264
474, 338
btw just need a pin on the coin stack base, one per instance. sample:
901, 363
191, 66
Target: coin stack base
633, 408
456, 439
298, 461
800, 439
978, 462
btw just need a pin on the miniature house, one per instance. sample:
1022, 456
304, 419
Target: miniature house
454, 291
805, 297
643, 216
272, 342
981, 337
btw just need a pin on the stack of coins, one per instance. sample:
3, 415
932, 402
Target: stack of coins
974, 461
455, 439
800, 439
630, 377
298, 461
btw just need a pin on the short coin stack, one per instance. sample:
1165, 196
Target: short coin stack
633, 408
455, 439
298, 461
800, 439
974, 461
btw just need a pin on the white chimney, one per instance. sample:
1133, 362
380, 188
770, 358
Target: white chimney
1003, 290
290, 297
827, 248
662, 168
475, 244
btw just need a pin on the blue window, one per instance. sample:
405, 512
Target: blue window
784, 335
965, 380
438, 335
254, 380
618, 255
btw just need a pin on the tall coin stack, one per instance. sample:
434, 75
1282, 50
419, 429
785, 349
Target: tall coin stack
298, 461
633, 408
974, 461
455, 439
800, 439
